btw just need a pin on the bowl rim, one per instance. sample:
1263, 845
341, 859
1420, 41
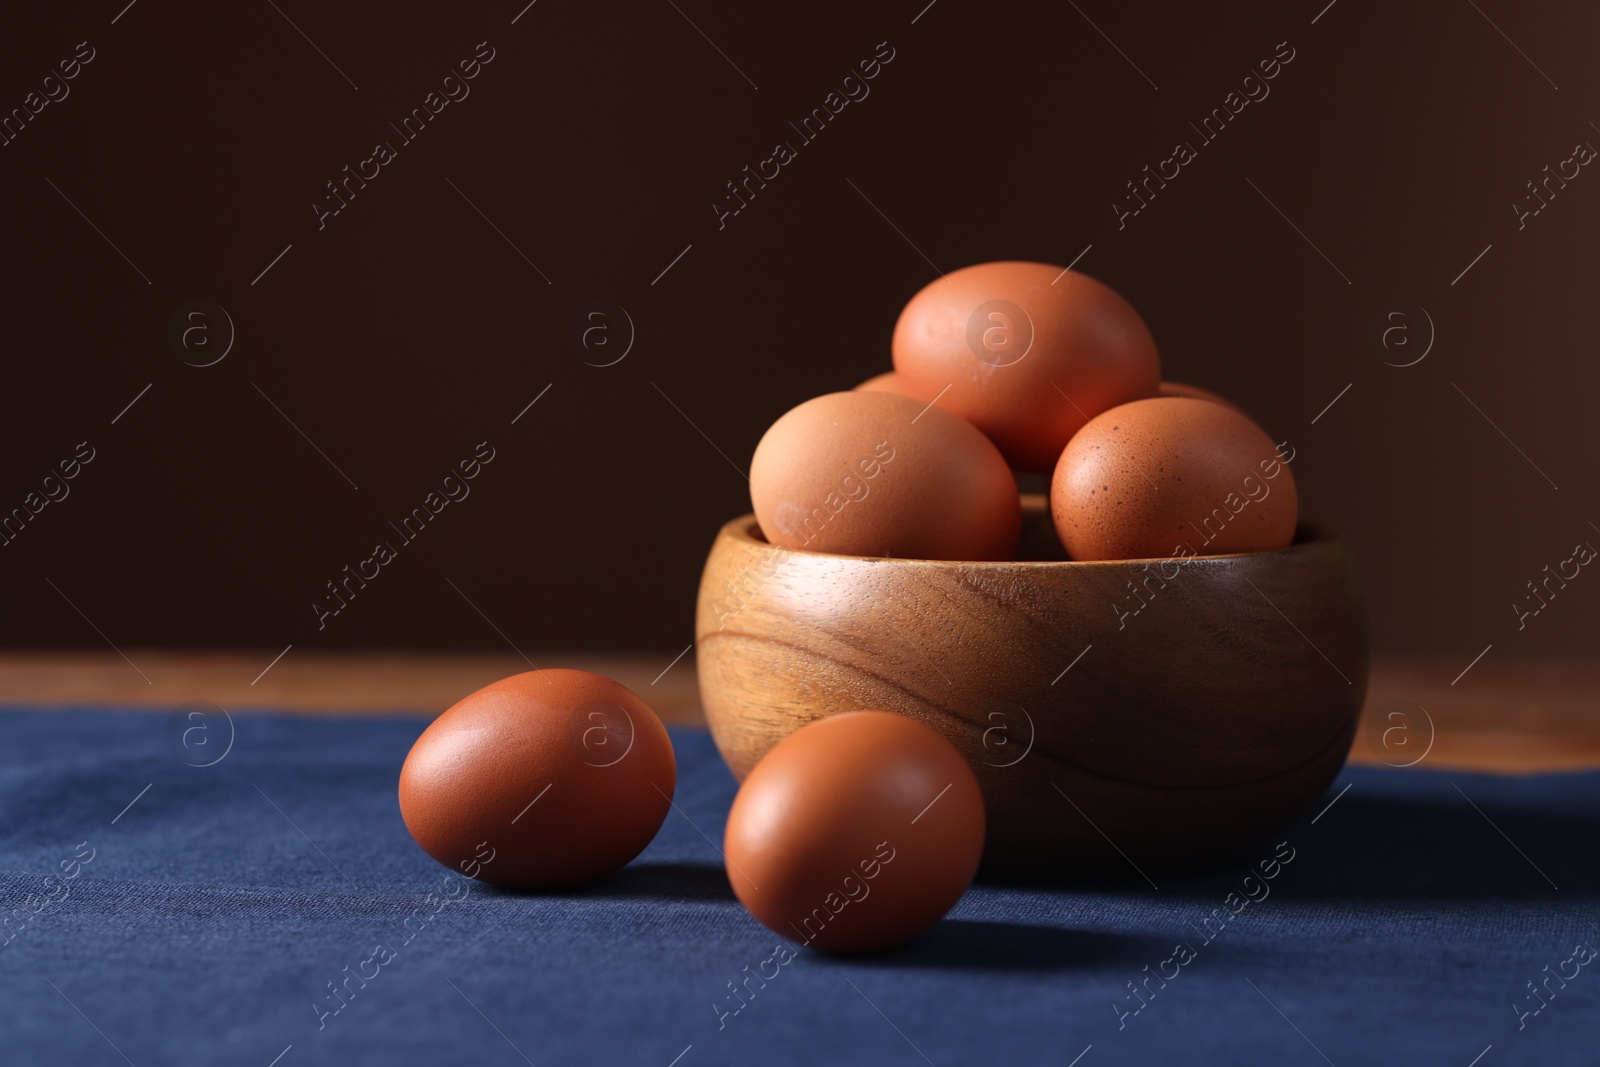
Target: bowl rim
1307, 536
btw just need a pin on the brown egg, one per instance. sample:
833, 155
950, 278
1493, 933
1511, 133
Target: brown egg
1172, 476
1027, 352
1194, 392
548, 778
856, 832
887, 382
880, 474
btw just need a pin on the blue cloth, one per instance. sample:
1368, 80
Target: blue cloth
202, 924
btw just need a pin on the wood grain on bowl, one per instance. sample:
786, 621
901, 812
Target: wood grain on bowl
1162, 708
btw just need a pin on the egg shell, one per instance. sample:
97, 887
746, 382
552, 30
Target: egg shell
1172, 476
855, 832
1194, 392
544, 779
887, 382
880, 474
1027, 352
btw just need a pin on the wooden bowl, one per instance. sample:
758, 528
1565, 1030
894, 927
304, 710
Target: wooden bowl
1161, 709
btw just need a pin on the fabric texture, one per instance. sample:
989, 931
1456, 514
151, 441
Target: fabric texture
162, 913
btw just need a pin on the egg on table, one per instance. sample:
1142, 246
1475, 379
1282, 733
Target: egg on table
545, 779
856, 832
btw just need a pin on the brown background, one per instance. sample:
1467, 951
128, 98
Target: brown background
408, 329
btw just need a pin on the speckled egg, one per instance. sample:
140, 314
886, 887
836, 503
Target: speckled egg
1172, 476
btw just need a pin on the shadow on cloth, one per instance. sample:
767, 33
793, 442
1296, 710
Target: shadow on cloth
980, 945
1383, 848
704, 882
